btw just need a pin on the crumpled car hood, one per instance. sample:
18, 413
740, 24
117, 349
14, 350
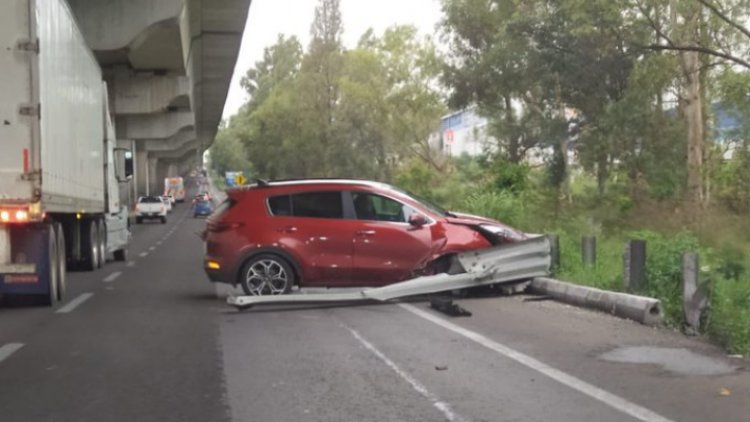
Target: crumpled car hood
475, 221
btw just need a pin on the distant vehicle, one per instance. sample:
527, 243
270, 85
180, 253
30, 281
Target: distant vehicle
204, 196
172, 201
175, 186
60, 171
150, 208
273, 235
202, 209
167, 201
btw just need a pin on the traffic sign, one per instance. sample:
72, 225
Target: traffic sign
240, 180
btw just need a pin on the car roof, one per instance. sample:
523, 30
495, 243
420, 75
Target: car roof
263, 184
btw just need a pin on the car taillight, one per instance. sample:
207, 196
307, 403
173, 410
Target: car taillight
220, 226
162, 208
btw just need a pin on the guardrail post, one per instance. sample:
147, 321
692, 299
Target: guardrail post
694, 298
588, 250
634, 265
554, 241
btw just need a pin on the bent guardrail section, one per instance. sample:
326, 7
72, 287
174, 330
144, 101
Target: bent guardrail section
505, 263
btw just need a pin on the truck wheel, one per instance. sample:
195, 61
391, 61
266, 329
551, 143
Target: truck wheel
102, 228
138, 220
61, 258
53, 268
121, 255
90, 245
164, 220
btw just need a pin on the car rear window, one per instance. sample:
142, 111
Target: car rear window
280, 206
308, 204
150, 200
318, 205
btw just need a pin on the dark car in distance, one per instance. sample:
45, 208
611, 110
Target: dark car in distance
202, 208
270, 236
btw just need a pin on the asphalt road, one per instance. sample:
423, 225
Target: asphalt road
152, 340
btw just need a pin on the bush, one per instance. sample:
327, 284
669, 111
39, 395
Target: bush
729, 318
664, 269
502, 206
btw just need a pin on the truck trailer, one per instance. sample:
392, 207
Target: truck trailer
60, 171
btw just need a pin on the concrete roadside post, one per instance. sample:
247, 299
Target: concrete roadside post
694, 298
588, 250
634, 265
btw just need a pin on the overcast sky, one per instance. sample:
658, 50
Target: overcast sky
268, 18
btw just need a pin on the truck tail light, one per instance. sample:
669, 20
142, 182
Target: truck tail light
14, 216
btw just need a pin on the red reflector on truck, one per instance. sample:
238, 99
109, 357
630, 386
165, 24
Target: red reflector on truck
21, 279
25, 161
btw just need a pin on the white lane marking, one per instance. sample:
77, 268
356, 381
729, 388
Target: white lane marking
74, 303
158, 242
130, 264
8, 350
443, 407
616, 402
152, 248
143, 254
112, 277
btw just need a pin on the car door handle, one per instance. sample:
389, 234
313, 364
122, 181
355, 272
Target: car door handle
288, 229
365, 233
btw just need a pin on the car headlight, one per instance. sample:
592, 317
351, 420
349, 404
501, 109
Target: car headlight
503, 232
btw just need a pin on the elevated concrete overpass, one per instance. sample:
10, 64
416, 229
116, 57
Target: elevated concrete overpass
168, 65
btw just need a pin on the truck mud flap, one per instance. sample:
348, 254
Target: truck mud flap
506, 263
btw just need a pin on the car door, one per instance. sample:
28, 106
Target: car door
386, 247
312, 228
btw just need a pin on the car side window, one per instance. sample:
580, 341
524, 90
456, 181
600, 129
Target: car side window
373, 207
280, 206
318, 205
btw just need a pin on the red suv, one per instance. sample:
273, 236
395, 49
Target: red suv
272, 235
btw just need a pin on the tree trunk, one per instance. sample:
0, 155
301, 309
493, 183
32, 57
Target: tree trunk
694, 119
514, 154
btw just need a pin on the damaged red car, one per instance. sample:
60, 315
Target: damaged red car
271, 236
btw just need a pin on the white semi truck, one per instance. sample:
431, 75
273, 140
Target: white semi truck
60, 172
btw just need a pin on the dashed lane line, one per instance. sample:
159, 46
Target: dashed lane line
9, 349
73, 304
442, 406
112, 277
130, 264
143, 254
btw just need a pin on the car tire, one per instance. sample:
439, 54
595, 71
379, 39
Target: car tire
164, 220
266, 274
138, 220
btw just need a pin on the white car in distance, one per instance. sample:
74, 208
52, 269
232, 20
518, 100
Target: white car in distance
167, 203
150, 208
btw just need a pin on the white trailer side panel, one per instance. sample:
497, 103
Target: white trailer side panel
16, 130
71, 98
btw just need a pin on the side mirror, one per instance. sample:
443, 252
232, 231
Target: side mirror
417, 220
123, 164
